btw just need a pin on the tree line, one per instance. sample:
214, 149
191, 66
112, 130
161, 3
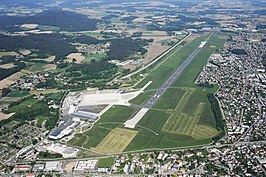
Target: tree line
218, 116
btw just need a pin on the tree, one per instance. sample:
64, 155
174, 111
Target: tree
74, 60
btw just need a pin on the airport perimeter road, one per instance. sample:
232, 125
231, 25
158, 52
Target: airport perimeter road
173, 77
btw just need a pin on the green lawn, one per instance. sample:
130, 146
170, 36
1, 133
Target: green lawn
170, 98
35, 67
142, 98
55, 96
24, 105
106, 162
18, 93
40, 120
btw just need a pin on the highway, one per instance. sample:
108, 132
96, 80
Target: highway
173, 77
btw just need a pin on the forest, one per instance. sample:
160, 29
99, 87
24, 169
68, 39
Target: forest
74, 22
218, 116
121, 49
7, 72
53, 44
92, 70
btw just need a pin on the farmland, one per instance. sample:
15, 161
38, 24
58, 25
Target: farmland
116, 141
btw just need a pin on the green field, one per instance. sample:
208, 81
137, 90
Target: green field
5, 102
96, 57
106, 162
173, 60
55, 96
36, 67
18, 93
24, 105
48, 28
79, 139
40, 120
114, 117
181, 117
142, 98
170, 98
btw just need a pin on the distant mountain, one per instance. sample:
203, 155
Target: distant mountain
66, 20
27, 3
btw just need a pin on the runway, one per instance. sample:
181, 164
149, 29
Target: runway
173, 77
133, 122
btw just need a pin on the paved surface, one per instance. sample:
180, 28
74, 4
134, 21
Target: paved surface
133, 122
111, 97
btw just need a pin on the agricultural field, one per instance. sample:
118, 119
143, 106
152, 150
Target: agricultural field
57, 96
48, 28
24, 105
47, 91
181, 117
116, 141
36, 67
18, 93
7, 54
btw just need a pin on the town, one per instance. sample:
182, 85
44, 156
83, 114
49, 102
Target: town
239, 71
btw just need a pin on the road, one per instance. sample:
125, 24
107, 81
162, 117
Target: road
148, 151
173, 77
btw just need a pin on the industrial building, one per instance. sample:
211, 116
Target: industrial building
53, 166
88, 165
66, 127
84, 115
